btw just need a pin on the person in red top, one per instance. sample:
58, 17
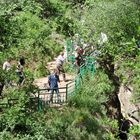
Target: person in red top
78, 58
80, 51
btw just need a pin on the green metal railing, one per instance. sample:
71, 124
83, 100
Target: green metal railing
86, 68
70, 89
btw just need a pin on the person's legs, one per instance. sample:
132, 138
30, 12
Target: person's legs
58, 95
18, 75
51, 95
21, 79
61, 69
77, 63
58, 70
78, 69
63, 74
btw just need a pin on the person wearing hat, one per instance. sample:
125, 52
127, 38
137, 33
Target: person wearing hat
59, 65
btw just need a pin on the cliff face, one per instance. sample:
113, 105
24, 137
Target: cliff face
129, 109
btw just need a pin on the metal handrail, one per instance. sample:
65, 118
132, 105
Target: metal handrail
51, 88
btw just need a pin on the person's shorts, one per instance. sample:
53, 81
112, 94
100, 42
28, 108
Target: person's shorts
60, 68
20, 74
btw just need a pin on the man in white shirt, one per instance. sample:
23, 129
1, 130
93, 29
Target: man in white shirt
7, 65
59, 65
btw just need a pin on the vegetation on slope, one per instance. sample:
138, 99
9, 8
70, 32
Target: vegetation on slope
83, 118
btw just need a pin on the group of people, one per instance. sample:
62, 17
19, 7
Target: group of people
53, 78
7, 66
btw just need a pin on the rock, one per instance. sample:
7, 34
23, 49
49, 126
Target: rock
129, 109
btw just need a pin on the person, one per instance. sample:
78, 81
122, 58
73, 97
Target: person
6, 67
78, 59
59, 65
19, 71
53, 80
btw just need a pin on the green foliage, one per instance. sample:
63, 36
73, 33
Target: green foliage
135, 131
85, 120
41, 70
25, 33
119, 20
93, 93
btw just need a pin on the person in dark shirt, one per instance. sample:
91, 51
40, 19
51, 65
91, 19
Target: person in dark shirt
53, 80
20, 72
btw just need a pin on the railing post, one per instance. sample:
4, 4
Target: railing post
75, 84
92, 70
39, 103
38, 100
1, 126
66, 92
